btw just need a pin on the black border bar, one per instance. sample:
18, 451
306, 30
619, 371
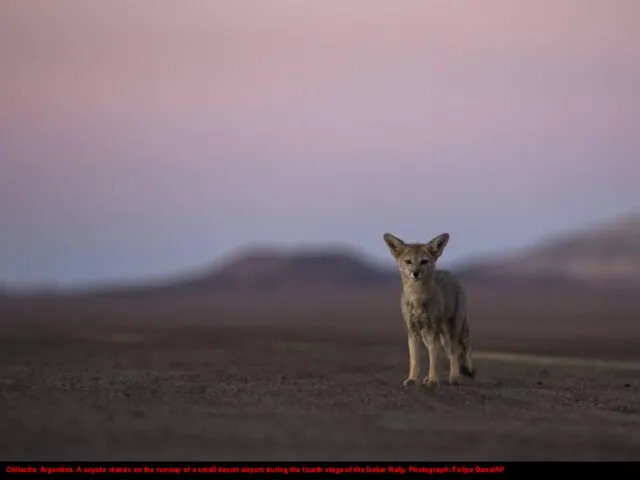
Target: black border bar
319, 469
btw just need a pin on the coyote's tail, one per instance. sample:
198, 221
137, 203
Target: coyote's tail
466, 358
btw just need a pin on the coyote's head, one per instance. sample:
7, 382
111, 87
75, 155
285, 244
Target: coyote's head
416, 261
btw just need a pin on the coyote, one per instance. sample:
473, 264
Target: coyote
434, 309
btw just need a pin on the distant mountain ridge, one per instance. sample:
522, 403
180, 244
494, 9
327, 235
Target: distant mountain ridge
269, 270
607, 254
604, 255
275, 269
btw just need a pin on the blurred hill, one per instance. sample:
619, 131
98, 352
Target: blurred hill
605, 255
277, 269
271, 270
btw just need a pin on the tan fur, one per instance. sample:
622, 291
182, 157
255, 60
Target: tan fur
434, 309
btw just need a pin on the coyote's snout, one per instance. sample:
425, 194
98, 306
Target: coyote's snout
434, 309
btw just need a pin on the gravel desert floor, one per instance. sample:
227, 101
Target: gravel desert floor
109, 392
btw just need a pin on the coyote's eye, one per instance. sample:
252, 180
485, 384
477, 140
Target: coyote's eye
408, 262
424, 261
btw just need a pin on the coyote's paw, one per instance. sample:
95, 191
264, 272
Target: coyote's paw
454, 379
409, 382
430, 382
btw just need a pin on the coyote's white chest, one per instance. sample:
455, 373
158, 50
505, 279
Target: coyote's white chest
418, 318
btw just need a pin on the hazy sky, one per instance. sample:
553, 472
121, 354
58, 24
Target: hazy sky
142, 138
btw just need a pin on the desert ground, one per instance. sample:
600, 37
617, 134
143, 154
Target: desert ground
319, 378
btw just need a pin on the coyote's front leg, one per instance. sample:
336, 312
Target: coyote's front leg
414, 360
430, 342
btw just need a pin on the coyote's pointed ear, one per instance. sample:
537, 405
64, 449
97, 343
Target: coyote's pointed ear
396, 246
436, 246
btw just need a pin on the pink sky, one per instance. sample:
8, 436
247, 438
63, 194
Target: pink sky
139, 138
